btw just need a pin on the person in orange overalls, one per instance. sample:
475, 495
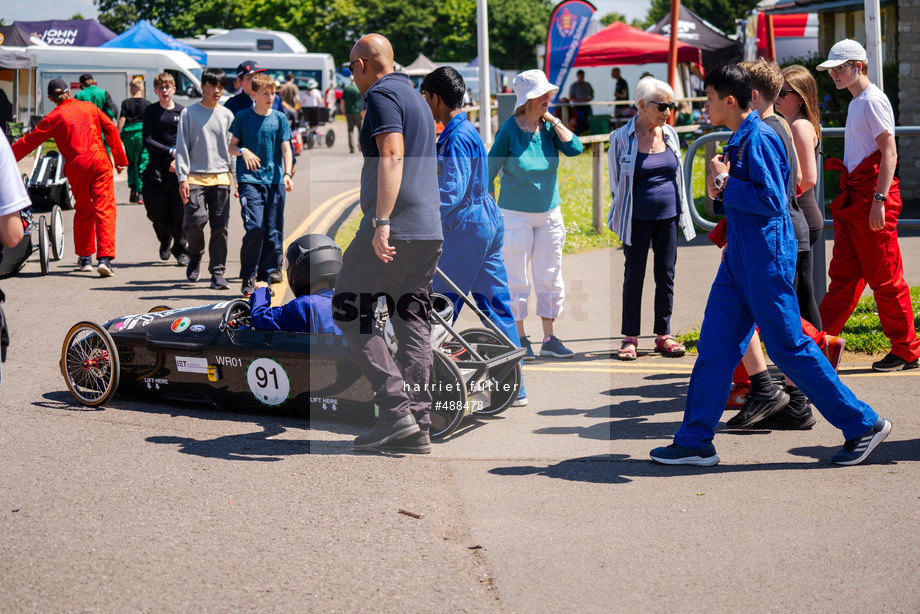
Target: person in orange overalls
77, 128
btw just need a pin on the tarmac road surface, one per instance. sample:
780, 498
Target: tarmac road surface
150, 506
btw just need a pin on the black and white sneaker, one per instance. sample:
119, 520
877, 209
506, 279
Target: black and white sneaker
893, 363
758, 407
856, 450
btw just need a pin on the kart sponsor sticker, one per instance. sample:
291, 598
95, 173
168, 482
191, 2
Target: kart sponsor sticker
196, 328
119, 326
268, 381
180, 325
228, 361
186, 364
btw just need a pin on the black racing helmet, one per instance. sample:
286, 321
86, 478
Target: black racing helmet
310, 259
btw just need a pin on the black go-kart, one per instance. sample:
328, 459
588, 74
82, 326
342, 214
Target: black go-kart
212, 355
47, 185
46, 236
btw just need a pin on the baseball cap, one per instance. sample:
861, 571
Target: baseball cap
843, 51
85, 78
530, 84
249, 67
56, 87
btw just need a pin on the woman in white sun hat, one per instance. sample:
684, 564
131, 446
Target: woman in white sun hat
526, 151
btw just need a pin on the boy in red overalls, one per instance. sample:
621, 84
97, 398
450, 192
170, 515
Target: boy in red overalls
77, 128
866, 246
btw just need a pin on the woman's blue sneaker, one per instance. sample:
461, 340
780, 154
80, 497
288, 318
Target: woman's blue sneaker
553, 347
676, 455
529, 356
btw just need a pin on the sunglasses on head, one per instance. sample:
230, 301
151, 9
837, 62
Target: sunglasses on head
665, 106
784, 92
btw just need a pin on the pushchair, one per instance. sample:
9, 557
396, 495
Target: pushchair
310, 122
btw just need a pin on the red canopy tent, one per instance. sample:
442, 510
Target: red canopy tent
619, 43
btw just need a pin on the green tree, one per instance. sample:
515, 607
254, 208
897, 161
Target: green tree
516, 27
610, 18
720, 13
444, 31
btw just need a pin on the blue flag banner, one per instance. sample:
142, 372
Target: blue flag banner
567, 28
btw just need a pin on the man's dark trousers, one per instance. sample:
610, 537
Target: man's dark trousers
405, 281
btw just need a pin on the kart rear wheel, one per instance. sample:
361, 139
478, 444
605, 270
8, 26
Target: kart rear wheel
330, 138
89, 364
69, 200
504, 390
44, 246
449, 404
57, 233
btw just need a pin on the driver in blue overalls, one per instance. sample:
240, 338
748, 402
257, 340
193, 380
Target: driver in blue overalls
473, 227
312, 264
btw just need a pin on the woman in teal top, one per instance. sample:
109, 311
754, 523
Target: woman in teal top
526, 150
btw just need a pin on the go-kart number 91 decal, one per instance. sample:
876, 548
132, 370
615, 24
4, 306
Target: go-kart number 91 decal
268, 381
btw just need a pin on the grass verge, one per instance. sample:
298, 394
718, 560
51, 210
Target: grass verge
863, 332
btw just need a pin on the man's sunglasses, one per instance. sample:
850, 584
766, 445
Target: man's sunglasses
665, 106
783, 93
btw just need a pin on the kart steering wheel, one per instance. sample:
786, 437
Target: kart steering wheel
236, 316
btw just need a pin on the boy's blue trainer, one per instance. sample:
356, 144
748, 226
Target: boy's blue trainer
856, 450
676, 455
521, 399
553, 347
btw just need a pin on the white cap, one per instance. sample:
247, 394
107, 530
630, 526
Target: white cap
530, 84
846, 50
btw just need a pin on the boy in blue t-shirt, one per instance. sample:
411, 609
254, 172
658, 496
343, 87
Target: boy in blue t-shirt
261, 138
312, 263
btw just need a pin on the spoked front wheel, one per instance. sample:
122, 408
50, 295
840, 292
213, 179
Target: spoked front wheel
89, 364
503, 390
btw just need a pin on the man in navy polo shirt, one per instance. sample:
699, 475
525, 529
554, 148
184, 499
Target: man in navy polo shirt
395, 251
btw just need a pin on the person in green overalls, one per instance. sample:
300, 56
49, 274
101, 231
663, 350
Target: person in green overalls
130, 125
91, 92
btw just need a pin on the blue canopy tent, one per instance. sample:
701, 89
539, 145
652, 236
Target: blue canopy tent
142, 35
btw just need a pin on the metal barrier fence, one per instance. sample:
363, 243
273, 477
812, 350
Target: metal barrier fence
820, 258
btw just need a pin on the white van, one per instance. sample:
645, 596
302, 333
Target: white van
113, 70
319, 66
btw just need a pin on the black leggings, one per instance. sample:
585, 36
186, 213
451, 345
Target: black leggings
804, 283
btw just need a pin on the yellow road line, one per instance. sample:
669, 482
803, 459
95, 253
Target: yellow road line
684, 370
319, 215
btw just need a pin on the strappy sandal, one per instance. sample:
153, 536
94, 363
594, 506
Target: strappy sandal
627, 349
675, 349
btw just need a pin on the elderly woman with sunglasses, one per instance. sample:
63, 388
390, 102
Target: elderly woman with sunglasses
649, 203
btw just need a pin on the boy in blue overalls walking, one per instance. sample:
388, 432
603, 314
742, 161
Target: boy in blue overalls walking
754, 283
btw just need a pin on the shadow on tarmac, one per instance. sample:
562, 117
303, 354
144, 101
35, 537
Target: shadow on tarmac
620, 469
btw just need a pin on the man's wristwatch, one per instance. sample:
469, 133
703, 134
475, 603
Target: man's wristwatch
720, 180
880, 198
381, 221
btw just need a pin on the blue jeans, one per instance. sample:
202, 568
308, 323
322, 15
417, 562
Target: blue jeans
262, 207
